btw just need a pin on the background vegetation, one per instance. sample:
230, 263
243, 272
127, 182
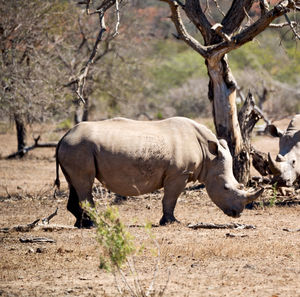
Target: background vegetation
144, 72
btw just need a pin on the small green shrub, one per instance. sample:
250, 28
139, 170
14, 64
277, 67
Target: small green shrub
118, 250
274, 195
159, 116
65, 125
116, 242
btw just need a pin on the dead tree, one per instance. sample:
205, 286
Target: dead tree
219, 38
21, 133
24, 150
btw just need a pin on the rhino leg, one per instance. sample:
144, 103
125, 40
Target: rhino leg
82, 219
84, 192
73, 203
173, 187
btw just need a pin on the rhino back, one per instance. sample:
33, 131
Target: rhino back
134, 157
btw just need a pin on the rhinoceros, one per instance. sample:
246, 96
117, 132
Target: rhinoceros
136, 157
286, 166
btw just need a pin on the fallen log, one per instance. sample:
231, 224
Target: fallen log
29, 227
236, 226
26, 149
20, 228
36, 240
287, 202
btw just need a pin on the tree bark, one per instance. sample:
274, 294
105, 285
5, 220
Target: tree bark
222, 94
81, 112
233, 127
21, 133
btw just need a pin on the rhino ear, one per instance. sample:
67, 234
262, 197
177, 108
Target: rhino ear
223, 142
213, 147
274, 131
280, 158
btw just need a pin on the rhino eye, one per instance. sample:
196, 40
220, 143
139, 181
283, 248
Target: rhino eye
293, 163
240, 186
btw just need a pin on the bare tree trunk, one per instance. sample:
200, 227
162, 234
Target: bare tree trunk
21, 133
85, 115
222, 93
81, 112
235, 129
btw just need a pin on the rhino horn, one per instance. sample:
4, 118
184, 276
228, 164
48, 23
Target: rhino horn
273, 165
250, 197
280, 158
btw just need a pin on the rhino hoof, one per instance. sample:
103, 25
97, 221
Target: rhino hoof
84, 223
167, 220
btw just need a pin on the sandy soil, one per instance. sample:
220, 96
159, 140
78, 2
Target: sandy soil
255, 262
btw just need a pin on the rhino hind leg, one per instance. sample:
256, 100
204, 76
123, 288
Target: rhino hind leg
73, 206
173, 186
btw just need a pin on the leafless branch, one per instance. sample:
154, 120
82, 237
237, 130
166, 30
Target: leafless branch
182, 32
292, 26
84, 71
218, 29
26, 149
46, 220
118, 19
206, 9
251, 31
180, 3
84, 39
219, 8
264, 6
281, 25
250, 20
101, 9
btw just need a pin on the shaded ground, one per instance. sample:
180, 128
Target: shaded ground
256, 262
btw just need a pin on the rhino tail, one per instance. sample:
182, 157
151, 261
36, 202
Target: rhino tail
57, 181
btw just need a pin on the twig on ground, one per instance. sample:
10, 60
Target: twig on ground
291, 230
36, 240
26, 149
236, 235
220, 226
46, 220
20, 228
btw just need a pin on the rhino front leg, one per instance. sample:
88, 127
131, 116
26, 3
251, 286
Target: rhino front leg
85, 195
173, 187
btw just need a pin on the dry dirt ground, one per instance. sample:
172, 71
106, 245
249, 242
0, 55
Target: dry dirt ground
264, 261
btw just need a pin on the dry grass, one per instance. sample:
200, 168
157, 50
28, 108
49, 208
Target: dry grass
202, 262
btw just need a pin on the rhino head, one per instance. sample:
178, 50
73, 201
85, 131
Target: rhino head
284, 169
286, 166
221, 185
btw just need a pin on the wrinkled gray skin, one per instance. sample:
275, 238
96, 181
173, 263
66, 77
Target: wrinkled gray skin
136, 157
286, 166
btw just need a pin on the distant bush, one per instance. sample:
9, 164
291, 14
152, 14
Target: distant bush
266, 54
65, 125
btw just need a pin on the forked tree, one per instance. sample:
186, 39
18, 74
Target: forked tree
218, 38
